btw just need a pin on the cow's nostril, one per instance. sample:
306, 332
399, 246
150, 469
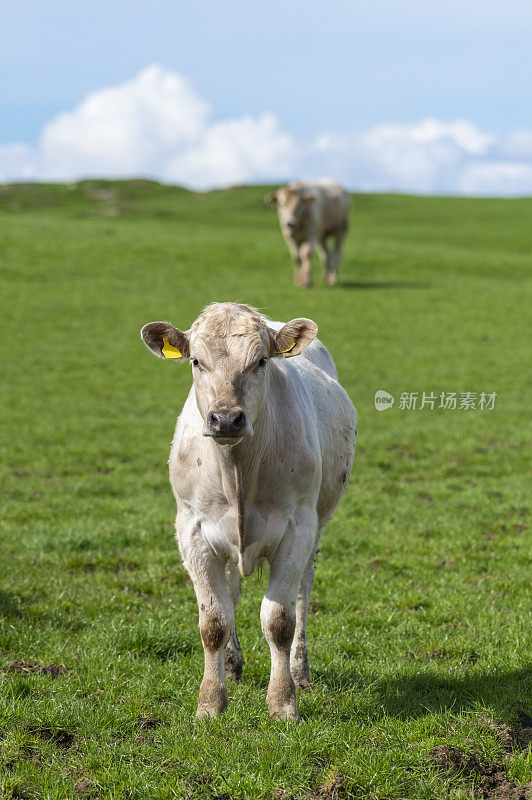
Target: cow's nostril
226, 423
240, 420
214, 421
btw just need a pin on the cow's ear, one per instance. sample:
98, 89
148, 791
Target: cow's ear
270, 199
294, 337
166, 341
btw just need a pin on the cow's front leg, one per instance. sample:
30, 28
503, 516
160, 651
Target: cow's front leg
296, 259
299, 660
216, 621
305, 270
278, 619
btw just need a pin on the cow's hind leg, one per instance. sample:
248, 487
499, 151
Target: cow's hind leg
331, 273
325, 255
233, 661
299, 660
304, 273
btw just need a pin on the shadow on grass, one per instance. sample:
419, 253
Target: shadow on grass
411, 696
13, 606
10, 605
364, 285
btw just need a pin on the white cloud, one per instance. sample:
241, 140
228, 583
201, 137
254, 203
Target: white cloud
17, 162
415, 158
432, 157
236, 151
156, 125
497, 178
133, 127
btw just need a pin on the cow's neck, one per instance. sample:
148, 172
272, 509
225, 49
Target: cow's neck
240, 509
241, 466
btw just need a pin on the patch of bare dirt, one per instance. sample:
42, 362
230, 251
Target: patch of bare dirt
437, 653
223, 797
145, 723
491, 782
57, 736
23, 666
509, 739
85, 785
524, 738
502, 731
203, 782
445, 562
449, 626
131, 655
333, 788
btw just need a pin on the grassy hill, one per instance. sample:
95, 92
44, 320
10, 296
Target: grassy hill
420, 625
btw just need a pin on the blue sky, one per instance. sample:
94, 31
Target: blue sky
320, 66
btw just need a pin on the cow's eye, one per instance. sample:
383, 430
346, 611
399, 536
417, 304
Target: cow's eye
262, 362
195, 362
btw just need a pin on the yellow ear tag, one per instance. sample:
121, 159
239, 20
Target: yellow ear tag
168, 350
280, 352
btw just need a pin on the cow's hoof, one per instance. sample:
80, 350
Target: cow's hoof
331, 279
213, 700
208, 710
286, 714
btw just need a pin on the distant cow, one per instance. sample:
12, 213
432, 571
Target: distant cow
310, 213
261, 456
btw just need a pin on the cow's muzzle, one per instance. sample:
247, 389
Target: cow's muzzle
227, 426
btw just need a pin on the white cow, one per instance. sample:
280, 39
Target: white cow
309, 213
260, 458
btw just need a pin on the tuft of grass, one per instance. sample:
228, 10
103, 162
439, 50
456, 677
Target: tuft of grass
420, 615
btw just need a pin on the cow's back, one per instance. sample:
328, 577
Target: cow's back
332, 205
334, 416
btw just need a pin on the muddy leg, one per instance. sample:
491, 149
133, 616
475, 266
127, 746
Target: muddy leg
299, 660
216, 621
278, 617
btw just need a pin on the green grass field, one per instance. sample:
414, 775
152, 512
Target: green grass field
420, 625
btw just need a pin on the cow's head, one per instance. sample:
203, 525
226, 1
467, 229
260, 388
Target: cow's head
229, 347
292, 206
